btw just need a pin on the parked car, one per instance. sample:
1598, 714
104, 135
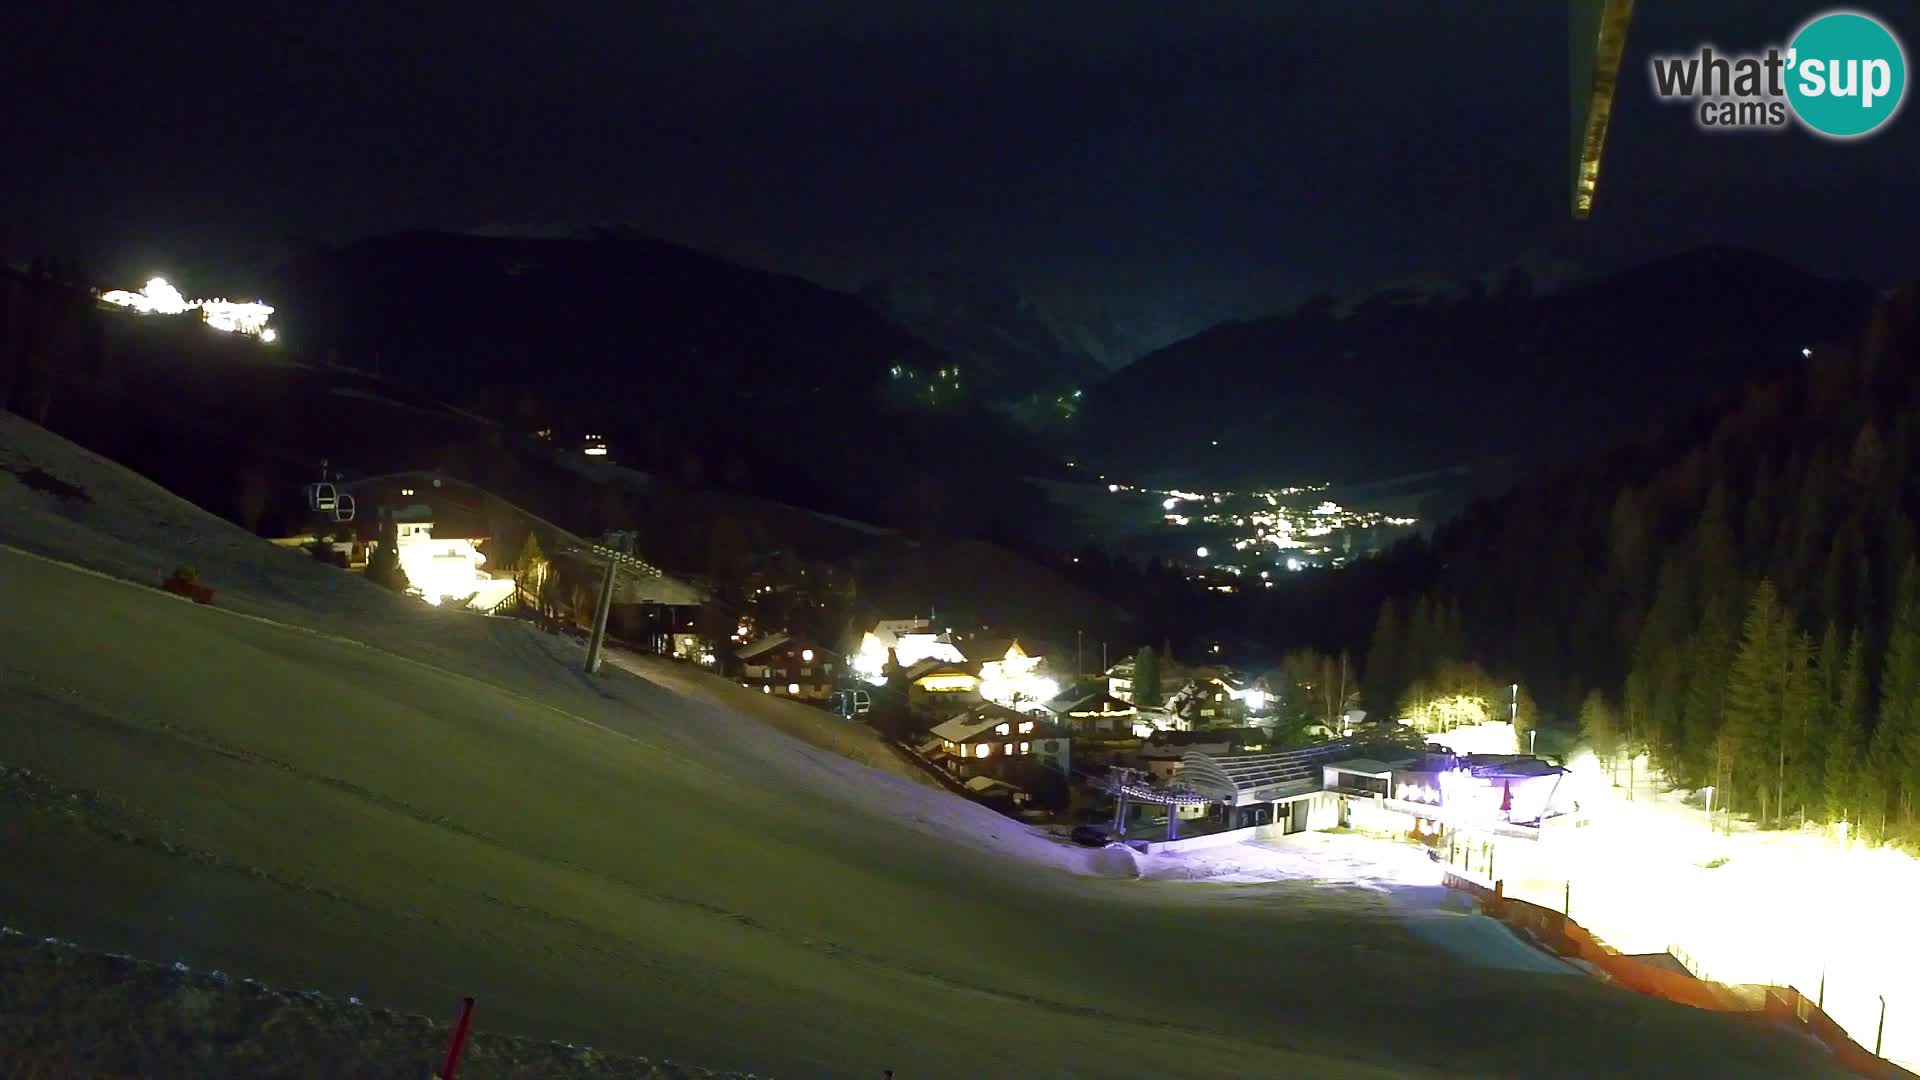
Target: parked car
1091, 836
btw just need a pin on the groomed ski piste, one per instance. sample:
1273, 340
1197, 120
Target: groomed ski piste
319, 784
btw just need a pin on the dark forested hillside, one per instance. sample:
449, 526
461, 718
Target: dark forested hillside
692, 366
1406, 383
1734, 593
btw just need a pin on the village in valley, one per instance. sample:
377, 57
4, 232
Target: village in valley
1157, 751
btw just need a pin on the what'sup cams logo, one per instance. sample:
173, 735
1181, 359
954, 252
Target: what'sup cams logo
1842, 76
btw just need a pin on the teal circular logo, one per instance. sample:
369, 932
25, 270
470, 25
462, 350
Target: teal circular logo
1847, 74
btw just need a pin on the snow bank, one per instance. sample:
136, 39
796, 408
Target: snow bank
1483, 942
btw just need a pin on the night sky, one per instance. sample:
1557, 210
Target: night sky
1169, 163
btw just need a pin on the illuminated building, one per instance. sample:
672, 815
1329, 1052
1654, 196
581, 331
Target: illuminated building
910, 641
1015, 680
157, 297
936, 688
1206, 701
992, 740
447, 569
787, 666
1095, 713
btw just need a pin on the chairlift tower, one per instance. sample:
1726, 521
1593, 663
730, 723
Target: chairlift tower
1130, 784
610, 552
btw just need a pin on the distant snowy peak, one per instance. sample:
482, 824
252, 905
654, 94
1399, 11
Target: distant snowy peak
1535, 273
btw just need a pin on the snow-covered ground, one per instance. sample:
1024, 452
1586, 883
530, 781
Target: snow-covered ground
1328, 869
1329, 859
1780, 907
322, 784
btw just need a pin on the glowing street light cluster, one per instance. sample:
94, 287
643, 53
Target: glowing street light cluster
158, 297
1279, 519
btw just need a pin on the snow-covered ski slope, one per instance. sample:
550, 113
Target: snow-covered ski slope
319, 784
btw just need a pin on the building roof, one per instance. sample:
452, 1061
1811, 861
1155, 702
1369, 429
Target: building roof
1097, 702
980, 785
978, 721
1242, 779
1364, 766
934, 666
988, 649
1195, 692
889, 631
765, 644
1508, 766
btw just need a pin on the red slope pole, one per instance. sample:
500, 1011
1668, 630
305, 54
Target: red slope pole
459, 1040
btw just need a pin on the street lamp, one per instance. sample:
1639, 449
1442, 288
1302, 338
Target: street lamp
1513, 715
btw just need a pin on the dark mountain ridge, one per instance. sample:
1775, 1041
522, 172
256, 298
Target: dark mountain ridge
1404, 382
690, 365
983, 321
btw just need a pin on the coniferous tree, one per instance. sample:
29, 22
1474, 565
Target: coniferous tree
1659, 659
1846, 737
1757, 683
1797, 755
1633, 713
1600, 728
383, 567
1758, 527
1716, 560
1146, 678
1832, 666
1449, 636
1897, 735
1709, 656
1627, 543
1384, 676
1421, 639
